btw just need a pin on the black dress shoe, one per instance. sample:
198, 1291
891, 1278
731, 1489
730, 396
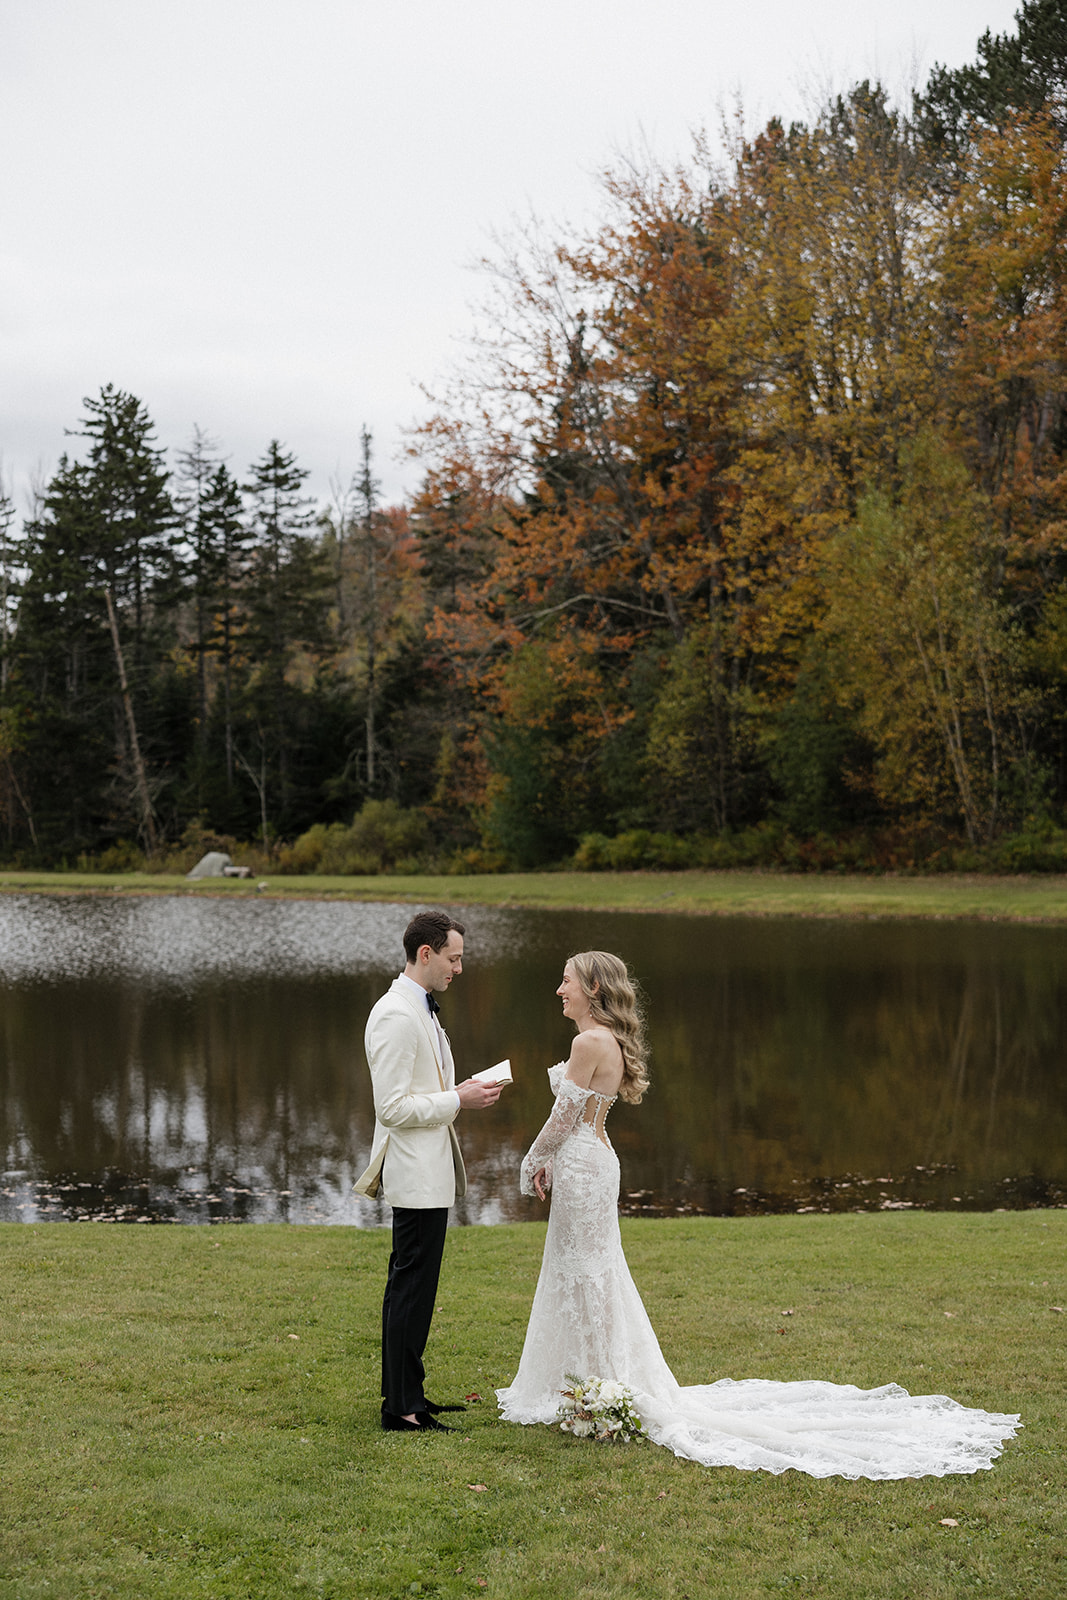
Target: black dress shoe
394, 1424
423, 1423
435, 1410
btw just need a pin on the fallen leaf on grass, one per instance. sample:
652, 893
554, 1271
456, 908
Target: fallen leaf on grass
662, 1495
950, 1313
1057, 1308
294, 1336
483, 1583
479, 1488
787, 1313
472, 1397
600, 1549
949, 1522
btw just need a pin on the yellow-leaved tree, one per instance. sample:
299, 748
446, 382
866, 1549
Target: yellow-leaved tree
928, 662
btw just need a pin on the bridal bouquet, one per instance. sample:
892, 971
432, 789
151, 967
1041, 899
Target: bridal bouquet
599, 1408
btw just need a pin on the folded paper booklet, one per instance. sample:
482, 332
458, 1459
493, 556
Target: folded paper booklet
501, 1073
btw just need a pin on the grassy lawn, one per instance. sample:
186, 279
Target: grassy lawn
192, 1412
728, 894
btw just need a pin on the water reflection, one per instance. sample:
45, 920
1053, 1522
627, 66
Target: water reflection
190, 1060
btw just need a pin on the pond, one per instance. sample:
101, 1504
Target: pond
196, 1060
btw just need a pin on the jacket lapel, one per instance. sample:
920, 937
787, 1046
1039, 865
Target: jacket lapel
423, 1014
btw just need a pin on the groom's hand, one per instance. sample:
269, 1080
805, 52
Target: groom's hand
475, 1096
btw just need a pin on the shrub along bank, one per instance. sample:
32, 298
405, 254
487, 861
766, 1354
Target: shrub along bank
385, 838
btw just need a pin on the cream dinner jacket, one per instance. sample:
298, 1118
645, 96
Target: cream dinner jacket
415, 1155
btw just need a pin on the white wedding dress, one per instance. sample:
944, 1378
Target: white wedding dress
588, 1320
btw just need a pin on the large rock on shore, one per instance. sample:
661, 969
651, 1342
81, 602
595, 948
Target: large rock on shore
213, 865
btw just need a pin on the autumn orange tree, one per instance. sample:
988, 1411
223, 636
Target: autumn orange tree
602, 473
829, 333
833, 308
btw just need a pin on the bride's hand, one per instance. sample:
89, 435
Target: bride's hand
539, 1183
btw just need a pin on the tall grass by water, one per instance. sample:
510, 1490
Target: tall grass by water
193, 1412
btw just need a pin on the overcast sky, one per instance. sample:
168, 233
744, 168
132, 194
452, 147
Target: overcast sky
260, 216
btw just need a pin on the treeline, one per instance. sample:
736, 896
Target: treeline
742, 537
188, 654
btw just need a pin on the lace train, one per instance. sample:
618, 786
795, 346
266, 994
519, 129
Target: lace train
588, 1318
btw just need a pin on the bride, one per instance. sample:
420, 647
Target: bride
588, 1320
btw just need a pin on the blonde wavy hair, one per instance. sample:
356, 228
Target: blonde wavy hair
614, 1003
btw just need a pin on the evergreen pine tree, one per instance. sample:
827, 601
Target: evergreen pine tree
1015, 72
89, 640
226, 542
286, 597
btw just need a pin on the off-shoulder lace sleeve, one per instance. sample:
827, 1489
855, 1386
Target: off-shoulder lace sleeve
564, 1117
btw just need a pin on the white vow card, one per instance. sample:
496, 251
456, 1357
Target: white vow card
501, 1073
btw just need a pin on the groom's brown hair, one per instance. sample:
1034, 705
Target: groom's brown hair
432, 928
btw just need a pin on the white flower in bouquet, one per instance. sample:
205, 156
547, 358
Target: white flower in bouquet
599, 1407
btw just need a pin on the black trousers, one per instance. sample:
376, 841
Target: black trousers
407, 1307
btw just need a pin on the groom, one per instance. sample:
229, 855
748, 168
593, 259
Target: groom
415, 1159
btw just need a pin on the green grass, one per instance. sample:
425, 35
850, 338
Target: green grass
192, 1412
1038, 898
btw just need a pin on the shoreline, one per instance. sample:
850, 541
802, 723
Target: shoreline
1035, 900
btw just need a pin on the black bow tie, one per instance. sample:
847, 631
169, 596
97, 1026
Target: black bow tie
432, 1003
